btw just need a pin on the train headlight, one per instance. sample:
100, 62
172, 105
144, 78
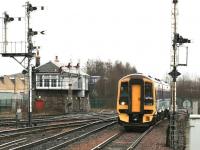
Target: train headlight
147, 118
123, 103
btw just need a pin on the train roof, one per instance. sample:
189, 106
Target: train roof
136, 74
156, 80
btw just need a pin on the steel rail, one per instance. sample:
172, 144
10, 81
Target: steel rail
107, 141
41, 128
39, 121
41, 141
5, 144
11, 143
57, 147
137, 141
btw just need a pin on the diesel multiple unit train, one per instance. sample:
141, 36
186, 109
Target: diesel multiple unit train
142, 100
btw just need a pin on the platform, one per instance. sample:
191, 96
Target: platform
194, 116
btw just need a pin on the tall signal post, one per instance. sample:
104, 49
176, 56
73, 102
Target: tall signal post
29, 53
177, 41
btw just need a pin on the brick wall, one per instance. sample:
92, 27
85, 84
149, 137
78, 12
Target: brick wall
55, 101
8, 84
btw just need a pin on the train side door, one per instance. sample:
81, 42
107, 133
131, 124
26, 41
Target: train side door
136, 97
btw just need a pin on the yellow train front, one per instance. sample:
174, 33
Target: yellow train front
142, 100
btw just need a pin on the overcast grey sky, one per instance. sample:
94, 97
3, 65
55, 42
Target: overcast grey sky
134, 31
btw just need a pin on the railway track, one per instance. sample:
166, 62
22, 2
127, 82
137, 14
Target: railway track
51, 119
77, 136
120, 140
24, 123
69, 135
7, 145
31, 130
66, 143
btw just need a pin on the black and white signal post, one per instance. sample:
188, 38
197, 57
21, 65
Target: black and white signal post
26, 54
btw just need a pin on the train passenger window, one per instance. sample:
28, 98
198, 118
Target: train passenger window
124, 93
159, 94
166, 95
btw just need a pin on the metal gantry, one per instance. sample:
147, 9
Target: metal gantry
177, 41
25, 54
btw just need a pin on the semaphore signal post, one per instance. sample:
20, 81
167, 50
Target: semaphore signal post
16, 50
177, 41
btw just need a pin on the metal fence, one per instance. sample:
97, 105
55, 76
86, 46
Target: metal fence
102, 103
10, 104
6, 105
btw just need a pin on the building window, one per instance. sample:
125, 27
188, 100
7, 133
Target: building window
79, 83
59, 81
53, 82
40, 80
46, 82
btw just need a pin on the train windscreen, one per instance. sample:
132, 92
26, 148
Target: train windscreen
148, 94
123, 100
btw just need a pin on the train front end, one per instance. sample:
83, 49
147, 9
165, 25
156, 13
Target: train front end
136, 104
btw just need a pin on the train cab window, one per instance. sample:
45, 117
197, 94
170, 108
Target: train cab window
123, 100
148, 94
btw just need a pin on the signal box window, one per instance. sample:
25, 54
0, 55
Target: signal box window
46, 82
53, 82
148, 94
39, 80
124, 93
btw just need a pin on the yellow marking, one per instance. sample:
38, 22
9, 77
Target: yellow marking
123, 107
146, 107
147, 118
136, 93
124, 117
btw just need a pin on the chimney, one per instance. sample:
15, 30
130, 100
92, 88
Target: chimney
56, 59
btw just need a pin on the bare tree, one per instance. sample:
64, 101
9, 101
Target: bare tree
106, 87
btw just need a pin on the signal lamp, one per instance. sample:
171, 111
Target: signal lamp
24, 71
69, 65
77, 66
31, 32
7, 18
31, 8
